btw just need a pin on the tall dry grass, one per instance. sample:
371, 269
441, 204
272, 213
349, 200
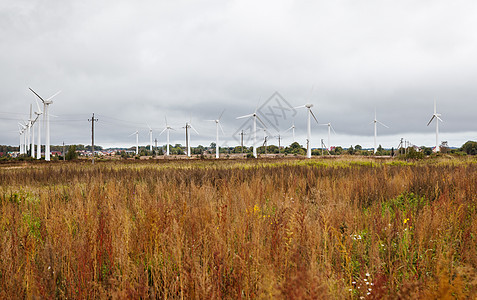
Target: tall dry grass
230, 230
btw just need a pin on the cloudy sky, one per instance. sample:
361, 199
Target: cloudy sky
134, 62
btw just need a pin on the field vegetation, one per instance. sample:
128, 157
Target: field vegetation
347, 228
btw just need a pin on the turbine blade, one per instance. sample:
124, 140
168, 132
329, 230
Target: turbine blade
221, 115
288, 129
246, 116
314, 116
332, 129
163, 131
382, 124
433, 116
37, 95
193, 128
260, 120
221, 128
53, 96
301, 106
38, 106
438, 118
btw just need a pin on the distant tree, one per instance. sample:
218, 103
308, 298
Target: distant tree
350, 150
470, 147
337, 151
71, 154
380, 150
358, 147
198, 150
426, 150
413, 154
316, 151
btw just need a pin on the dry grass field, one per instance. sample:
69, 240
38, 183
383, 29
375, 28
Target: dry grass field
295, 229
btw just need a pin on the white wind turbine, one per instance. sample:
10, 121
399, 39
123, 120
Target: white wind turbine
292, 128
38, 114
167, 128
137, 140
329, 134
438, 118
187, 127
375, 121
21, 130
310, 114
150, 137
46, 118
255, 117
32, 133
25, 137
217, 125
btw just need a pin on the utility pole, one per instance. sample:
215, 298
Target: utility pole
279, 145
92, 120
322, 144
155, 145
64, 151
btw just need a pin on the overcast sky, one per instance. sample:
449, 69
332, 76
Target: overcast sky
134, 62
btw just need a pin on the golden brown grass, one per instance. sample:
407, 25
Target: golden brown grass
262, 229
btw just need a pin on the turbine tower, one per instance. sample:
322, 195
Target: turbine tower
38, 113
292, 128
255, 117
329, 134
438, 118
137, 140
150, 138
46, 118
217, 125
375, 121
31, 134
21, 130
33, 121
310, 114
187, 127
167, 128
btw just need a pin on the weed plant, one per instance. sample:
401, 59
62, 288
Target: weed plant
317, 229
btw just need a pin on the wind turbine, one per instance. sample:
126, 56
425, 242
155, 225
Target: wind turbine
38, 113
438, 118
28, 135
137, 140
167, 128
46, 118
375, 121
255, 117
292, 128
32, 132
329, 134
310, 114
21, 130
150, 138
217, 125
187, 127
